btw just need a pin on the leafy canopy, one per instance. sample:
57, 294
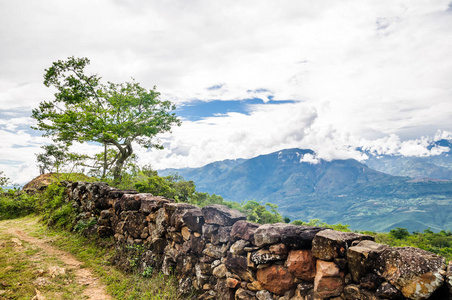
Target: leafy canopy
111, 114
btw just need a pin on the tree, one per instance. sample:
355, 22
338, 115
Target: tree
399, 233
3, 180
113, 115
260, 214
57, 158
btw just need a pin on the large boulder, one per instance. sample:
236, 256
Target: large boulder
174, 213
221, 215
416, 273
449, 277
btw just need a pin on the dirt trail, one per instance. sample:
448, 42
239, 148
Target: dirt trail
94, 289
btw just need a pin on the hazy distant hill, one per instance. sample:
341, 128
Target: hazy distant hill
437, 166
345, 191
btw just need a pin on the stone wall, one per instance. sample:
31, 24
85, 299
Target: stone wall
217, 253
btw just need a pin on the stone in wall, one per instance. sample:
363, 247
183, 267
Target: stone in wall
243, 230
296, 237
354, 292
194, 219
217, 252
114, 195
329, 280
264, 256
415, 272
238, 264
330, 244
361, 258
221, 215
388, 291
276, 279
151, 203
301, 263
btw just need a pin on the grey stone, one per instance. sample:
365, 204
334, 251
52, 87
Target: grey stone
329, 244
221, 215
361, 258
415, 272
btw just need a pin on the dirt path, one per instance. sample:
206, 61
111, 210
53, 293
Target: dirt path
94, 289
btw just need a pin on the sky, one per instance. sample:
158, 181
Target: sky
247, 77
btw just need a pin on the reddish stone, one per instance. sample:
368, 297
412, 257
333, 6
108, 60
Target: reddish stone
280, 249
301, 263
276, 278
232, 283
329, 281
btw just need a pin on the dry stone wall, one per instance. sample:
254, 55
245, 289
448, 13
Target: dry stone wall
216, 253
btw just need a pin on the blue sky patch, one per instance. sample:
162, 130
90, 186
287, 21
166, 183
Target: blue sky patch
198, 110
215, 87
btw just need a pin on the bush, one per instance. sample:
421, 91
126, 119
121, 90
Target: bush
16, 204
54, 208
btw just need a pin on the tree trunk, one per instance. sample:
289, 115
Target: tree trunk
125, 152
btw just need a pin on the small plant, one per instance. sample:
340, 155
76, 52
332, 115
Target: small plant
134, 252
82, 225
147, 272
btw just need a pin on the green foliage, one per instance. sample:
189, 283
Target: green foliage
203, 199
320, 223
54, 208
3, 180
57, 159
399, 233
258, 213
85, 110
134, 254
436, 242
147, 272
15, 204
173, 186
82, 225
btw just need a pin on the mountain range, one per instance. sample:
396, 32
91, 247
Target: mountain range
412, 193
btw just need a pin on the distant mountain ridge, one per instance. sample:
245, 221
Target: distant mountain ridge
436, 166
344, 191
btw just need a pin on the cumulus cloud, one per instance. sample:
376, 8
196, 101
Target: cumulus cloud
266, 129
393, 145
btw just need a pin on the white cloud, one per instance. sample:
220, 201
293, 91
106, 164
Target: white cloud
268, 128
309, 158
392, 145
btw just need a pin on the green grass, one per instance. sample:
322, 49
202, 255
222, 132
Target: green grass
23, 269
97, 255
